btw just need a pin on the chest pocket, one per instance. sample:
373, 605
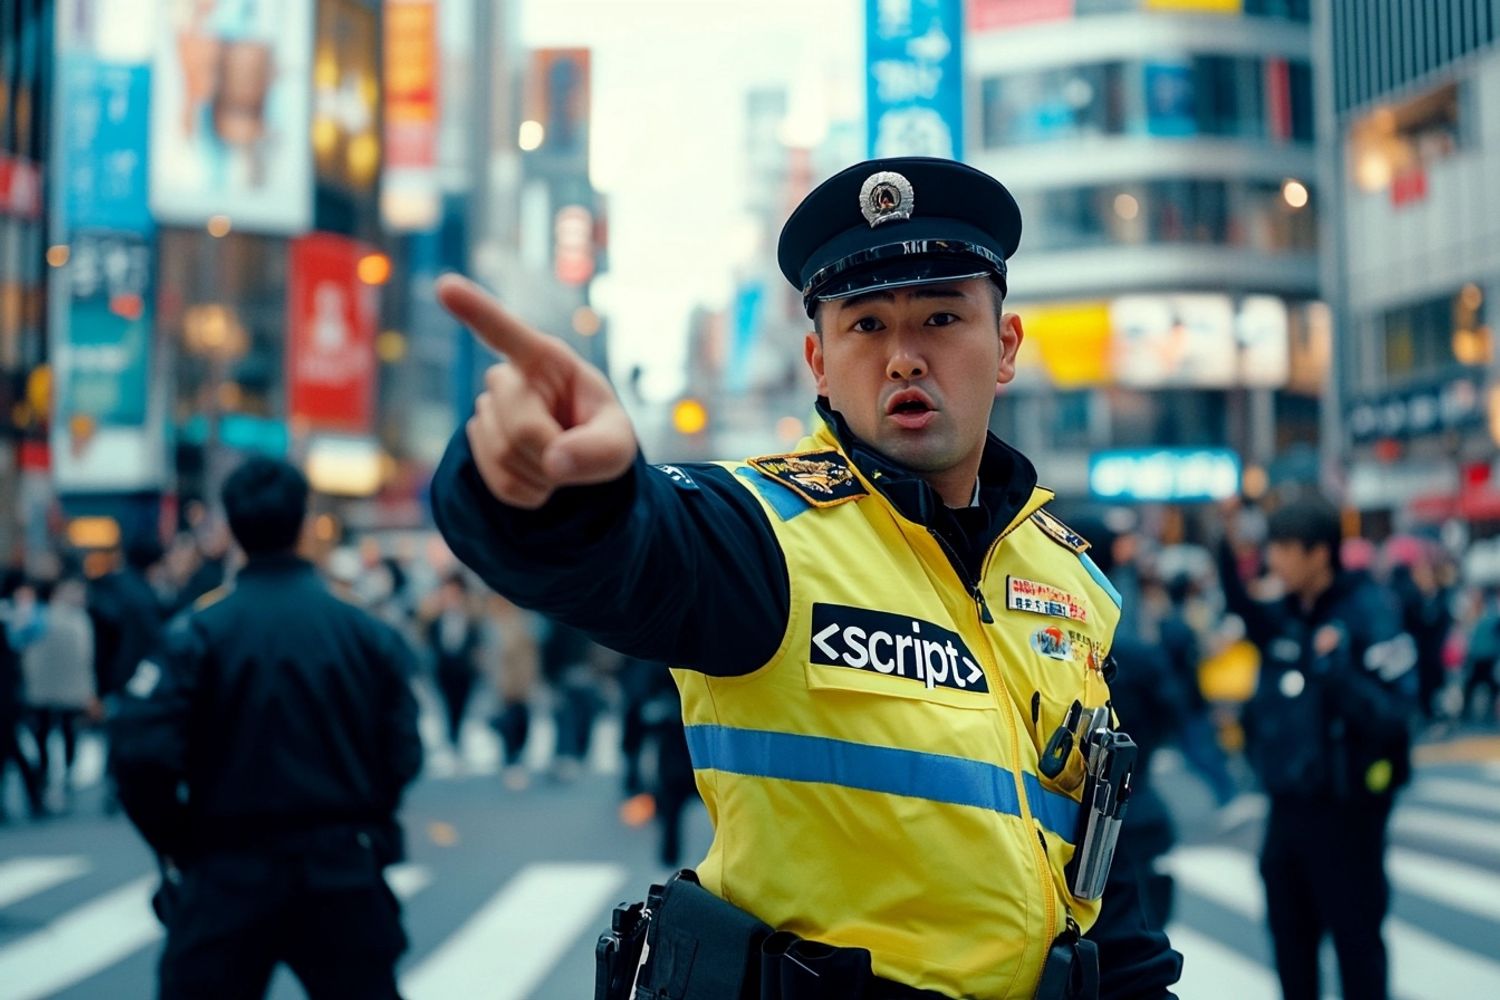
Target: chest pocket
1063, 664
893, 655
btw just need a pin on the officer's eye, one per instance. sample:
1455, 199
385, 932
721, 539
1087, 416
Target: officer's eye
941, 319
867, 324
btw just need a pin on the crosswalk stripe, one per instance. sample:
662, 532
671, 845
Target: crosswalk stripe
81, 942
1469, 795
514, 940
1422, 965
1448, 827
22, 877
1210, 968
1460, 886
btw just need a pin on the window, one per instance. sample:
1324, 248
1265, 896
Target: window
1217, 95
1437, 335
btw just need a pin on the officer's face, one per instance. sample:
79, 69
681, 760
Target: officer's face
915, 370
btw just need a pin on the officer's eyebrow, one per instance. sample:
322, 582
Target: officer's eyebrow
920, 292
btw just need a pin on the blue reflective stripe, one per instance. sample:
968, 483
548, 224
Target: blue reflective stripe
1056, 812
1101, 579
937, 777
785, 502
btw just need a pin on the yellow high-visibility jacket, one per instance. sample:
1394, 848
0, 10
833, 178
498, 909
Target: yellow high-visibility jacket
875, 783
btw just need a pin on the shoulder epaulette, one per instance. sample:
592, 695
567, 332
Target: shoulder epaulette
211, 598
1060, 533
822, 478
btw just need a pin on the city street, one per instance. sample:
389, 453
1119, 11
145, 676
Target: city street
505, 892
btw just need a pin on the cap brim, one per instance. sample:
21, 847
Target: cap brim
901, 272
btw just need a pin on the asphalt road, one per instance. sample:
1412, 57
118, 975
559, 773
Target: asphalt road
506, 891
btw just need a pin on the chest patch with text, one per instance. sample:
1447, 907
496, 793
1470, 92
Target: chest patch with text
1043, 599
894, 645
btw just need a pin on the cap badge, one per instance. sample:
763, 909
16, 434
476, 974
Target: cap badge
886, 197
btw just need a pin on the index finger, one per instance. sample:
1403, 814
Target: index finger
497, 328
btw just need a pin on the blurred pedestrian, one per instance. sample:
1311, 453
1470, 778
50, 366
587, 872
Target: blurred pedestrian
568, 669
1197, 736
1427, 617
59, 671
1328, 733
513, 671
454, 637
263, 756
19, 623
1481, 670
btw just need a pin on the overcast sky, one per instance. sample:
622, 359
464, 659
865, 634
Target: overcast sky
669, 79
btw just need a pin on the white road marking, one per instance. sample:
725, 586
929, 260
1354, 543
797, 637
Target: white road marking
81, 942
1422, 966
1460, 886
22, 877
1464, 831
512, 942
1471, 796
1210, 968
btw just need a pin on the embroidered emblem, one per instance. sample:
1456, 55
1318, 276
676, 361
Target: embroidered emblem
1053, 643
822, 478
1059, 532
1043, 599
886, 197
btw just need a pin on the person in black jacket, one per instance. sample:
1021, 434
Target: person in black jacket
1328, 734
263, 756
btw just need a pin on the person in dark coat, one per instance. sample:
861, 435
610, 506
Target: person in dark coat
263, 755
455, 637
16, 611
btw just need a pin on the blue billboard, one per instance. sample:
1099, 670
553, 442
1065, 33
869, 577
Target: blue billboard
105, 123
914, 78
104, 362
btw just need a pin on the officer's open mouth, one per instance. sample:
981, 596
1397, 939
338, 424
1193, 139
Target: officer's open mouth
907, 402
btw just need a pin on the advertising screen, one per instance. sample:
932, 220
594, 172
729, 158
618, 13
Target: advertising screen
230, 114
331, 319
104, 137
1164, 475
914, 78
993, 15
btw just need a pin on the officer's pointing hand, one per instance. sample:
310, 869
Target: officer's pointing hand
544, 420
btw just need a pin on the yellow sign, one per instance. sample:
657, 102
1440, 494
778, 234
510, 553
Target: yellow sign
1202, 6
1071, 340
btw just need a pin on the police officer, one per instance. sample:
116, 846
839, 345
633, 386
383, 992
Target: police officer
1328, 734
263, 757
876, 633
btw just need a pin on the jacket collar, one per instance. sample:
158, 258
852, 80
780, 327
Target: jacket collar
1007, 479
274, 563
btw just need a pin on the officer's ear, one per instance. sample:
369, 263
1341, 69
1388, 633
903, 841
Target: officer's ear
1011, 335
812, 350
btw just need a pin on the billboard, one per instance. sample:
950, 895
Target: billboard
104, 127
230, 114
331, 320
346, 133
409, 198
1197, 6
102, 355
1173, 340
914, 78
997, 15
557, 98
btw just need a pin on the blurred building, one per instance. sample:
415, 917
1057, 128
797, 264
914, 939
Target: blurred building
1162, 152
1410, 123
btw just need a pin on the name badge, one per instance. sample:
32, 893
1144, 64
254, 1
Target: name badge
1043, 599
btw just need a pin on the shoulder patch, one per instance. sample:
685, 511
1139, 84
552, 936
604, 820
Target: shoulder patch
822, 478
677, 475
1060, 533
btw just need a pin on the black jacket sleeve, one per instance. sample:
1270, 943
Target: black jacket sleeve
150, 719
398, 717
1377, 689
1135, 962
681, 567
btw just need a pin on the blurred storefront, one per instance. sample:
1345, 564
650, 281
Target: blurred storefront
1162, 155
1411, 142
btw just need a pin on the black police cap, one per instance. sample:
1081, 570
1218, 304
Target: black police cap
889, 223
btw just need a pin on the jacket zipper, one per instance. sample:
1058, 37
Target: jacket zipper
1038, 852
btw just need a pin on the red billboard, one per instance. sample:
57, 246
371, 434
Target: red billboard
331, 319
996, 15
